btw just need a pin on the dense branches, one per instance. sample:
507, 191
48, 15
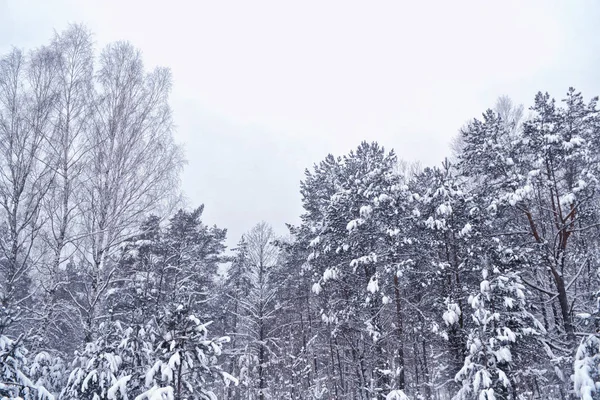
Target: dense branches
476, 279
472, 280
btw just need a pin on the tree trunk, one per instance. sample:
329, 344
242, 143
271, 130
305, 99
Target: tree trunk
399, 334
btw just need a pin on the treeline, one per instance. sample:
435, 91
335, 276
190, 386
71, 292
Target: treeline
477, 279
86, 155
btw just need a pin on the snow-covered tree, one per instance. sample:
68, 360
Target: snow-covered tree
398, 282
586, 376
48, 370
253, 303
110, 367
443, 247
354, 228
15, 382
502, 324
165, 264
185, 358
171, 355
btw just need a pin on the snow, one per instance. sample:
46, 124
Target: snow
383, 227
477, 379
567, 199
329, 274
119, 386
166, 373
509, 334
587, 362
492, 208
574, 142
316, 288
552, 138
373, 331
519, 195
503, 378
156, 393
441, 192
484, 273
329, 319
393, 232
487, 394
473, 301
435, 223
520, 293
92, 376
579, 186
354, 224
444, 209
151, 372
368, 259
452, 314
484, 286
175, 360
228, 378
223, 339
396, 395
503, 354
44, 394
315, 242
366, 211
466, 229
384, 198
373, 285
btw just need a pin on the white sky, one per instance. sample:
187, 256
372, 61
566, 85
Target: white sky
264, 89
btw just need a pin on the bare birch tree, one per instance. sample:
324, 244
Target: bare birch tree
67, 147
131, 168
27, 93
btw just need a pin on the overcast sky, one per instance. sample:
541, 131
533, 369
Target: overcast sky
264, 89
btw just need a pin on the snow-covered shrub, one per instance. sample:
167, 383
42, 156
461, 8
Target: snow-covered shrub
14, 380
501, 322
185, 358
111, 366
49, 371
170, 357
586, 376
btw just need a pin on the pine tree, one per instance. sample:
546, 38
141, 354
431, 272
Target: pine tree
586, 377
111, 366
185, 357
350, 257
14, 372
502, 325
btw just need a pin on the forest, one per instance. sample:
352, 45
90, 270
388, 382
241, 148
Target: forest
477, 279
